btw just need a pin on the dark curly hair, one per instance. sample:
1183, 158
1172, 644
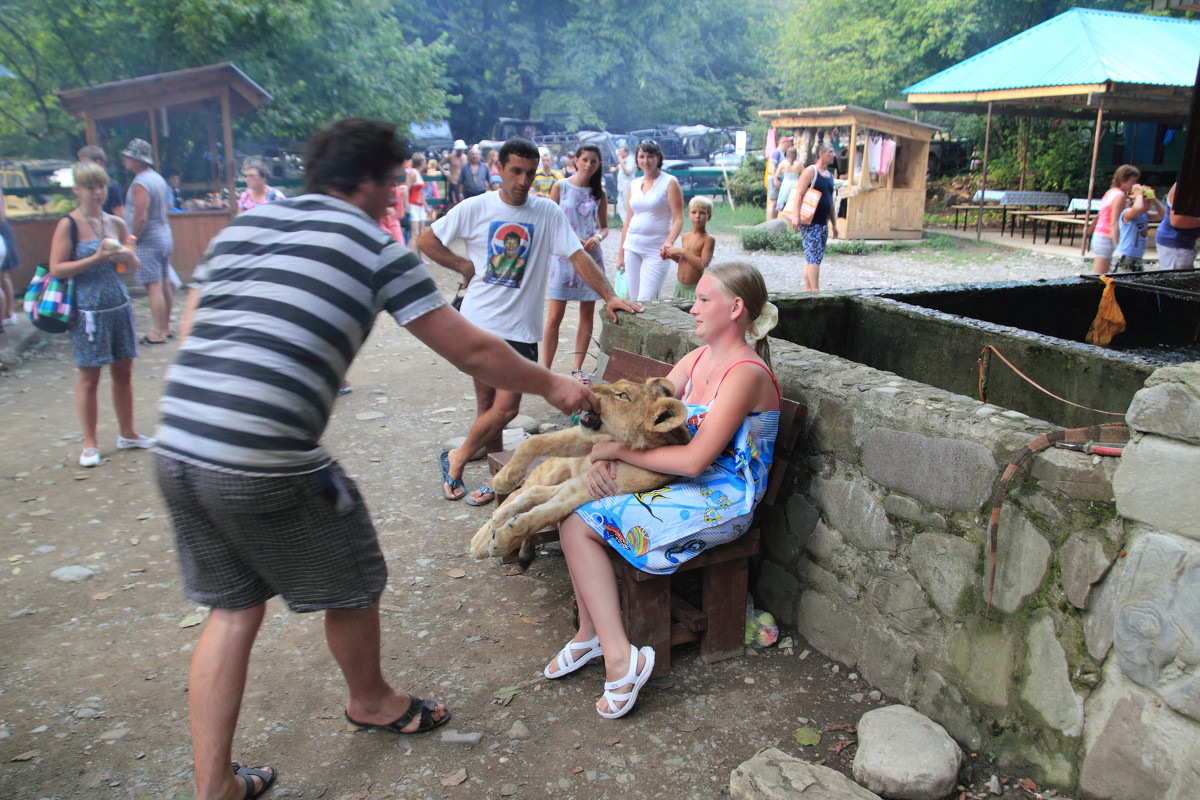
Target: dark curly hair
343, 155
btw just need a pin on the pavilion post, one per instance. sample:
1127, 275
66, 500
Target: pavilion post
154, 138
210, 118
89, 128
853, 150
1024, 151
230, 166
987, 143
1087, 214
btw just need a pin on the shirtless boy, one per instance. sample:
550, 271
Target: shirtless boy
697, 250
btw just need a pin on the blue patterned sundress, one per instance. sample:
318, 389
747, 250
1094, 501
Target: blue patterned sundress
657, 531
582, 213
102, 329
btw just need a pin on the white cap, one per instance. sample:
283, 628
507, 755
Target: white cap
459, 144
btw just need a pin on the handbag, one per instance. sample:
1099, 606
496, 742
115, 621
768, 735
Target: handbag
49, 301
808, 205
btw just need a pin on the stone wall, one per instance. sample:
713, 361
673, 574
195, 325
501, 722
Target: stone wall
1084, 673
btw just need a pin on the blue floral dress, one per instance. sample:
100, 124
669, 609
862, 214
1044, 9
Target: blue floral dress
657, 531
102, 330
582, 212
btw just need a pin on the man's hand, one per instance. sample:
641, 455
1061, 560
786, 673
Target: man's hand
614, 304
570, 396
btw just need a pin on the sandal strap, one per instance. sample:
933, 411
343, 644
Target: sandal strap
630, 676
567, 658
415, 706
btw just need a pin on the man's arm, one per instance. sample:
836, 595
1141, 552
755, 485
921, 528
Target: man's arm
488, 358
141, 202
594, 277
432, 246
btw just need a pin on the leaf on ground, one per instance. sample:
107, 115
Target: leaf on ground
807, 737
576, 770
513, 571
41, 512
531, 620
840, 746
506, 693
440, 519
145, 515
136, 569
455, 778
191, 620
840, 726
102, 596
1027, 785
28, 755
611, 742
457, 573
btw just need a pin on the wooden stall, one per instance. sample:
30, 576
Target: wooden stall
879, 204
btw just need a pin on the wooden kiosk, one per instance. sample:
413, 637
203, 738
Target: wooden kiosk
879, 205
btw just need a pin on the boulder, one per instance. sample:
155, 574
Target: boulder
774, 775
904, 754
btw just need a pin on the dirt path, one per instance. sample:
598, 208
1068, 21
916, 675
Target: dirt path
93, 673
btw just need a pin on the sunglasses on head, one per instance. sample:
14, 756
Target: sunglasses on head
648, 141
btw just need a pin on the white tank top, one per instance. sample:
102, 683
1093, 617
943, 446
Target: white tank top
651, 215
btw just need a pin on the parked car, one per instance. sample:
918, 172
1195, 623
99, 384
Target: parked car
695, 143
20, 180
695, 179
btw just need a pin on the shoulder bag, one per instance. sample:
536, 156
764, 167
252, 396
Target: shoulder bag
808, 205
50, 301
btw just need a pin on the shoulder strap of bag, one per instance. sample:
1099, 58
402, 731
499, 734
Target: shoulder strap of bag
74, 233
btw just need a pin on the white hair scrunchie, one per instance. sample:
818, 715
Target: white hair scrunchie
765, 322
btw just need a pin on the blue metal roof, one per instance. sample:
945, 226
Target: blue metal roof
1080, 46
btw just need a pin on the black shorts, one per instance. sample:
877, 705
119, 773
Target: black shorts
527, 349
243, 539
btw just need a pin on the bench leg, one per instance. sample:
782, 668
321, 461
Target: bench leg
646, 608
725, 607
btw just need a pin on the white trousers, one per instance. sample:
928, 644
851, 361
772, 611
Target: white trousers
645, 275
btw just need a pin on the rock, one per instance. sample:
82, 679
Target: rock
1156, 626
983, 654
945, 566
903, 506
831, 628
904, 754
454, 737
86, 713
1048, 686
114, 734
1156, 484
1083, 563
366, 416
523, 422
947, 473
1168, 409
548, 427
875, 696
1077, 475
1098, 621
1186, 779
773, 227
888, 660
855, 513
774, 775
72, 574
1022, 556
518, 731
900, 601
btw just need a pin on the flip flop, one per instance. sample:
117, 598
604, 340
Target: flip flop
147, 340
415, 706
266, 774
453, 483
484, 491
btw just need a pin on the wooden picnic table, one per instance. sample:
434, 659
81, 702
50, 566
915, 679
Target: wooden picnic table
1068, 223
967, 208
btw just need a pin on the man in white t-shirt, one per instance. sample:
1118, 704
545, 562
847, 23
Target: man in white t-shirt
512, 238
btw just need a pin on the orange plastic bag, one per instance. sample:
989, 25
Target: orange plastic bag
1109, 320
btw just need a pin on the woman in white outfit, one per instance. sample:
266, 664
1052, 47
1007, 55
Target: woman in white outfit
654, 217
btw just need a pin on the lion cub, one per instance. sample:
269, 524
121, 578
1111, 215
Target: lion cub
639, 415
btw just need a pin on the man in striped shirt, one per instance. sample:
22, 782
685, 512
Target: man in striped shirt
286, 295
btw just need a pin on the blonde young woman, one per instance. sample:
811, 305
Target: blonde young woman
85, 247
733, 409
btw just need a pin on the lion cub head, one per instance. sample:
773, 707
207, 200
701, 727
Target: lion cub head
641, 415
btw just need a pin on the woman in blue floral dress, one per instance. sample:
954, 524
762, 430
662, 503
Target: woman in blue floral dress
87, 248
733, 405
583, 201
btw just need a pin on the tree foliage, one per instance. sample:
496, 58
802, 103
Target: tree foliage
319, 59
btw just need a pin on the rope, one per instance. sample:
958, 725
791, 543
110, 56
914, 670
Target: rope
984, 361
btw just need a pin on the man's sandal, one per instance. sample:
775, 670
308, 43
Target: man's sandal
486, 495
265, 774
638, 679
416, 706
566, 660
454, 483
578, 375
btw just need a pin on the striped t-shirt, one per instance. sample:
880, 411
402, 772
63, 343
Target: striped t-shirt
288, 293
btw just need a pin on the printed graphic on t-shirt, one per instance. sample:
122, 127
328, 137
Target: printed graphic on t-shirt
508, 252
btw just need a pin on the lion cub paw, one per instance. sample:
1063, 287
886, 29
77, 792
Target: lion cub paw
482, 540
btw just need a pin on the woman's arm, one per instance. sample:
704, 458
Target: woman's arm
60, 253
626, 221
675, 203
555, 193
741, 392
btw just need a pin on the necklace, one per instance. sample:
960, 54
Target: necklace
712, 370
97, 226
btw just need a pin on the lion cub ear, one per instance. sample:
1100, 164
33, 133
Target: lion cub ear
669, 414
661, 385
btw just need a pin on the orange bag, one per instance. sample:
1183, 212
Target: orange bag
808, 206
1109, 320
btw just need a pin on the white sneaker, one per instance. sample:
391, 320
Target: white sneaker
90, 457
141, 441
11, 320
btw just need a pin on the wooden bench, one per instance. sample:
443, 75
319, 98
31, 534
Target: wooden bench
652, 614
968, 209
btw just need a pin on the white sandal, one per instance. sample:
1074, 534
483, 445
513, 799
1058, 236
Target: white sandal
567, 661
638, 679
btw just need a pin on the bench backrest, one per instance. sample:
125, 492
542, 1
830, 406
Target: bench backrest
624, 365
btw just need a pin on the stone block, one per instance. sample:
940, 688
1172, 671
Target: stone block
940, 701
1187, 779
779, 541
1022, 556
824, 544
777, 591
854, 512
833, 431
1076, 475
1168, 409
904, 507
802, 516
1156, 484
1134, 746
833, 629
887, 662
1156, 629
947, 473
904, 754
1047, 687
813, 576
1083, 562
945, 565
901, 602
1098, 621
982, 655
774, 775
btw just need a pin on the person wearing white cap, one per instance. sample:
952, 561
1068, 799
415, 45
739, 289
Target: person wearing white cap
453, 164
146, 202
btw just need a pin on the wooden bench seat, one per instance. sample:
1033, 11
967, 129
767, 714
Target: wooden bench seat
652, 613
